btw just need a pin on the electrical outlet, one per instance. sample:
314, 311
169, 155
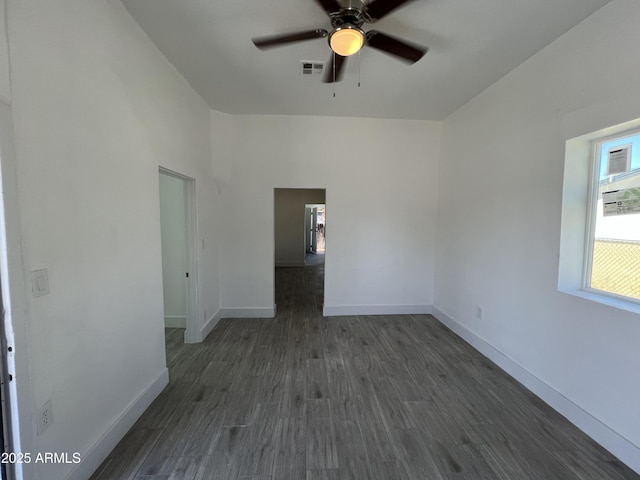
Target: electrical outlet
478, 311
45, 417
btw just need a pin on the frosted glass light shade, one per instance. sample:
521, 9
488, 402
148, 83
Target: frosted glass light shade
346, 40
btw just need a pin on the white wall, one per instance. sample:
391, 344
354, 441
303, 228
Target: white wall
499, 226
386, 166
289, 224
221, 144
96, 110
173, 226
5, 85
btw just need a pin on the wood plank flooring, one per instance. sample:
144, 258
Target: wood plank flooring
302, 397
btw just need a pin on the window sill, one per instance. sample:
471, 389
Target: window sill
596, 296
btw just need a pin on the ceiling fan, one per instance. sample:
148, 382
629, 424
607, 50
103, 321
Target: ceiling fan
347, 37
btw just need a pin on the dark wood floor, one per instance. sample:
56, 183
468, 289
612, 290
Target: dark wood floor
301, 397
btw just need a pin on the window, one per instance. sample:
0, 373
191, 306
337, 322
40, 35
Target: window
612, 250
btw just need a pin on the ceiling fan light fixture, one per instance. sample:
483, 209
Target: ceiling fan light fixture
346, 40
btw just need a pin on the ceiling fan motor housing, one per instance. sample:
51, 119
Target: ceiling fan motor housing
347, 16
353, 4
347, 36
353, 12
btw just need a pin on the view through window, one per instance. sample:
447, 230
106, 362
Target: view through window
613, 262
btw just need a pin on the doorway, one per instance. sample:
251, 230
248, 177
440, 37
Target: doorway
178, 236
315, 227
299, 239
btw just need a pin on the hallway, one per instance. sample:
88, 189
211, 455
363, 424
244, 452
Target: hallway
302, 397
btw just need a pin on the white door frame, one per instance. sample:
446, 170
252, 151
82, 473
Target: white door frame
192, 333
13, 356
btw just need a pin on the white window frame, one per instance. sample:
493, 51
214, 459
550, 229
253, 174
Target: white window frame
577, 224
592, 211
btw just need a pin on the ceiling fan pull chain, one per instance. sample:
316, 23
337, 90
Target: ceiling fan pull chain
334, 74
359, 66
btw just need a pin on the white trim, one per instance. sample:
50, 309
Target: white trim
251, 312
93, 456
192, 332
592, 211
346, 310
175, 322
210, 324
290, 264
619, 446
592, 207
606, 298
18, 392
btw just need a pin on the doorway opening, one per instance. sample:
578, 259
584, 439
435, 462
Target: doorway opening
178, 237
315, 227
300, 243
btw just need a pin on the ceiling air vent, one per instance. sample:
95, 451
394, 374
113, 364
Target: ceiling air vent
311, 68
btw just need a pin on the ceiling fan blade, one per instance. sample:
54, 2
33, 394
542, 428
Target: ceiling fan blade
399, 48
379, 8
330, 6
277, 40
332, 75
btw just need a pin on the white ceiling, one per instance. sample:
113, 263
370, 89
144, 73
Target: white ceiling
472, 44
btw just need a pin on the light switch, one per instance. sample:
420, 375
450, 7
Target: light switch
39, 282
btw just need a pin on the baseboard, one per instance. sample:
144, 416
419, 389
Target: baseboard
615, 443
289, 264
175, 322
93, 457
346, 310
251, 312
210, 324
